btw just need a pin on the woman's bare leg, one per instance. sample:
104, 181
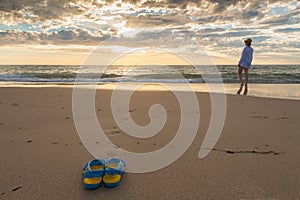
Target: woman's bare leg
246, 75
240, 70
246, 81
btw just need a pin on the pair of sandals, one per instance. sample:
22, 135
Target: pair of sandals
98, 170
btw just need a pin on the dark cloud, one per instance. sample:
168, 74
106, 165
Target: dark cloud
290, 18
250, 14
10, 5
288, 30
158, 35
223, 5
56, 8
40, 10
230, 34
77, 36
243, 12
260, 39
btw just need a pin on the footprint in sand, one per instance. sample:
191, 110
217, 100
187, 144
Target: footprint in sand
132, 110
14, 104
29, 141
248, 152
67, 118
257, 117
2, 193
118, 146
55, 143
16, 188
1, 123
112, 131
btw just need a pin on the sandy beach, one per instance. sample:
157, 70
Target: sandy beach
256, 157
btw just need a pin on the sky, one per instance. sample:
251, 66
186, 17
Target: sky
68, 32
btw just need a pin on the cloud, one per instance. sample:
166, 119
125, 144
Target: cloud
76, 36
217, 25
53, 9
36, 10
155, 21
287, 30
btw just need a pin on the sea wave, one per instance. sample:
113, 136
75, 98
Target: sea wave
181, 74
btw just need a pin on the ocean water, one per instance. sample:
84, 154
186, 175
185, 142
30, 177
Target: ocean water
262, 74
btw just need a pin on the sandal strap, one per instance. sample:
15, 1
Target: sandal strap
94, 173
118, 170
95, 160
111, 171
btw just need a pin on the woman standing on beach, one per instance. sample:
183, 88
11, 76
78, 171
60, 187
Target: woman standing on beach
245, 64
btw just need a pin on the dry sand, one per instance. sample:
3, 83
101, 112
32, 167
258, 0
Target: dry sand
256, 157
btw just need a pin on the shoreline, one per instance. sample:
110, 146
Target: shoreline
283, 91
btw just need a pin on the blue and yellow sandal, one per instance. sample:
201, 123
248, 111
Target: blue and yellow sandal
92, 173
114, 168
